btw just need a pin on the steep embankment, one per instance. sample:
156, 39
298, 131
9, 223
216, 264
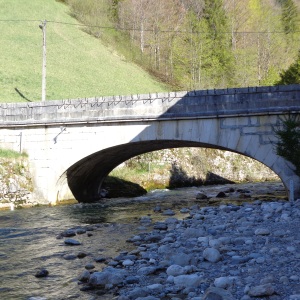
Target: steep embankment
78, 64
15, 182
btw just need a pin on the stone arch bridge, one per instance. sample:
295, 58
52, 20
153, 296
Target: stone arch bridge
74, 144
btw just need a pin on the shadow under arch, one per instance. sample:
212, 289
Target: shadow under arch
86, 176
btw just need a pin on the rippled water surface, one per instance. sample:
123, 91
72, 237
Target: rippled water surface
28, 239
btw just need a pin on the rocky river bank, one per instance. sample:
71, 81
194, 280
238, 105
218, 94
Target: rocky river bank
227, 251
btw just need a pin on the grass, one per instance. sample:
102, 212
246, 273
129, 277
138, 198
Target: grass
78, 65
5, 153
142, 177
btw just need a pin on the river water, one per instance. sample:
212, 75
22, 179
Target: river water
28, 238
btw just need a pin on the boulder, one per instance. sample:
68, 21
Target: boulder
109, 276
192, 280
214, 293
212, 255
261, 290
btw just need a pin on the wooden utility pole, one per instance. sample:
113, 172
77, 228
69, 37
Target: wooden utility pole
43, 27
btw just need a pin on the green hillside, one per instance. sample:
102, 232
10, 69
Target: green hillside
200, 44
78, 65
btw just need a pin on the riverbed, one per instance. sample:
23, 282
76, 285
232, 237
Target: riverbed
29, 237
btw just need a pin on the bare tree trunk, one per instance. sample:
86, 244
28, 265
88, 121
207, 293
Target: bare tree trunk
142, 37
258, 59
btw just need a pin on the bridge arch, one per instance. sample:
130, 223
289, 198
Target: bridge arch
86, 176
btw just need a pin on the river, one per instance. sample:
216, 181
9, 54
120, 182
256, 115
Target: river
28, 238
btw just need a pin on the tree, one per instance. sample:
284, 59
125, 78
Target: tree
292, 74
221, 57
288, 145
198, 44
289, 16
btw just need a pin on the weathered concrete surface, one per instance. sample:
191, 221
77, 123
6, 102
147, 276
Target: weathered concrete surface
74, 144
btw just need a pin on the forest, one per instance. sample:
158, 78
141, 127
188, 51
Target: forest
199, 44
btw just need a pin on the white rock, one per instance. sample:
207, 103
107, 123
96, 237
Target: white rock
175, 270
223, 282
262, 231
192, 280
127, 263
211, 255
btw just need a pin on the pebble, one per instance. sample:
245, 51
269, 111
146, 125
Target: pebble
80, 231
70, 256
42, 273
89, 266
72, 242
225, 252
262, 231
68, 233
81, 254
168, 212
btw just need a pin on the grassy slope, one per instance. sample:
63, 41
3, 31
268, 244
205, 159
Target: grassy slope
78, 65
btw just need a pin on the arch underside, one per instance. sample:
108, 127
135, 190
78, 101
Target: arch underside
85, 177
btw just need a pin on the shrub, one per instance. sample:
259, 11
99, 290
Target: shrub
288, 144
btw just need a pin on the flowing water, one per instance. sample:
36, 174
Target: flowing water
28, 238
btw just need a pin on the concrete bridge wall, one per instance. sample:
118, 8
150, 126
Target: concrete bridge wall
74, 144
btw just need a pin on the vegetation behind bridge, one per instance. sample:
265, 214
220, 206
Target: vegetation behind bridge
199, 44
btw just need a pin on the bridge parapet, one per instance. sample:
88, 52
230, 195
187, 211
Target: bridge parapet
181, 105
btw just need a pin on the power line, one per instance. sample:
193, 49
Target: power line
20, 20
150, 30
